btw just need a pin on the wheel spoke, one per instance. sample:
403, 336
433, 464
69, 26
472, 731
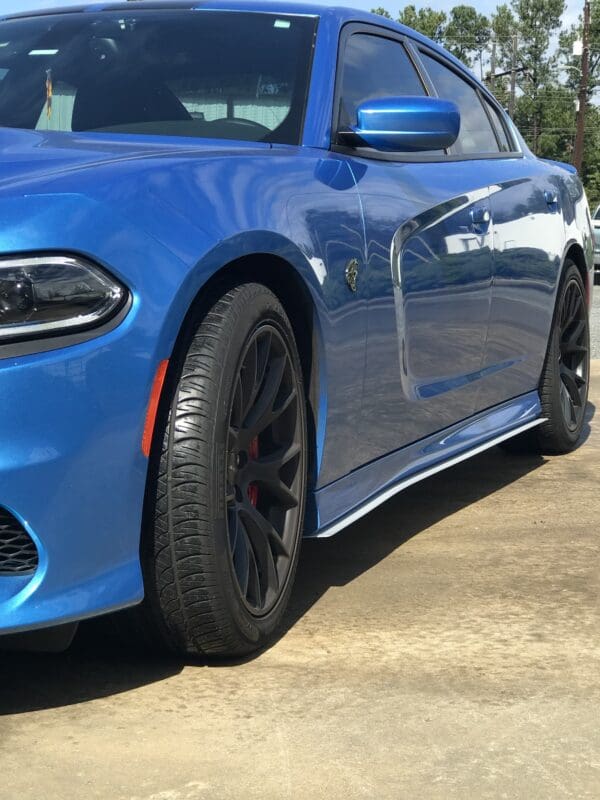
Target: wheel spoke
254, 590
261, 415
267, 468
566, 404
286, 497
263, 529
241, 561
572, 383
571, 339
260, 534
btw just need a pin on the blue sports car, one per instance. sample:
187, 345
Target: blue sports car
261, 267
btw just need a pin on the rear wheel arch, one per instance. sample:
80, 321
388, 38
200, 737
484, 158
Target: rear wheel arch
575, 254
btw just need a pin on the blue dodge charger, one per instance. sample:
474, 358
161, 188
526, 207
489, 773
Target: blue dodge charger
261, 267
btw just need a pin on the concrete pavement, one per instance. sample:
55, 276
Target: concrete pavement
446, 646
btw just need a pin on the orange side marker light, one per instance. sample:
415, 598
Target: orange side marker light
155, 393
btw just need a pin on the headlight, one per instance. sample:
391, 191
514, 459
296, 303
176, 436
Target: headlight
46, 295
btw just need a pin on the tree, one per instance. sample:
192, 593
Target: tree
571, 64
382, 12
427, 21
503, 28
467, 33
536, 22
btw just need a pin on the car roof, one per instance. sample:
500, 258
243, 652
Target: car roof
336, 15
268, 6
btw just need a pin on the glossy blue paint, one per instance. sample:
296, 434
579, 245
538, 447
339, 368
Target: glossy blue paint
343, 498
458, 269
407, 124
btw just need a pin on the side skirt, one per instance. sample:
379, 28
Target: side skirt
336, 504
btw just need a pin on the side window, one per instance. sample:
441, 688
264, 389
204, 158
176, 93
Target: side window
374, 67
499, 128
476, 134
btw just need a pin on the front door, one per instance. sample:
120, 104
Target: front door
428, 266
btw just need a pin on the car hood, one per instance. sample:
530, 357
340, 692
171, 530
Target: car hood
31, 155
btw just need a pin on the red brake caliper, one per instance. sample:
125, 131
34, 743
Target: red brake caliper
253, 488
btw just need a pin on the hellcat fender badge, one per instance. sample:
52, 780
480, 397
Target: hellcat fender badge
352, 273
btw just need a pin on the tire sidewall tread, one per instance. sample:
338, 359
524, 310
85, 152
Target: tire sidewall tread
192, 572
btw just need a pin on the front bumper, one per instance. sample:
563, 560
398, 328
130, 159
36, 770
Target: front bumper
72, 472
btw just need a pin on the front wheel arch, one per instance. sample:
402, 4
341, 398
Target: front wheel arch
287, 284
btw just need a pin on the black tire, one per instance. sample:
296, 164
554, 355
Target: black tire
217, 504
564, 381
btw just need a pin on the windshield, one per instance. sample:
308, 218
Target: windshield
210, 74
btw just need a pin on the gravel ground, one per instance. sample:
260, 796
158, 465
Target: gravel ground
595, 320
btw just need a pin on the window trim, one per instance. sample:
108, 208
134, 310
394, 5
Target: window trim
412, 48
488, 107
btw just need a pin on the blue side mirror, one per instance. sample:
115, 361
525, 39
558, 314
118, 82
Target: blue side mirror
404, 124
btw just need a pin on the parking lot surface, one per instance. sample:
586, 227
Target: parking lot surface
446, 646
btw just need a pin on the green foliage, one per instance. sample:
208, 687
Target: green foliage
427, 21
467, 33
571, 63
382, 12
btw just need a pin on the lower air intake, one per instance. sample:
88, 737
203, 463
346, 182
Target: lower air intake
18, 553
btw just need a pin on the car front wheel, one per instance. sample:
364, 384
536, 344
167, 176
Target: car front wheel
223, 539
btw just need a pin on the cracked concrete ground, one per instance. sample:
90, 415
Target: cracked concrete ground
447, 646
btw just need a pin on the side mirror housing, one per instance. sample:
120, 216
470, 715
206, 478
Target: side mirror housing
404, 125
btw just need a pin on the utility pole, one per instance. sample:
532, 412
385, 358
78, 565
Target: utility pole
583, 89
513, 78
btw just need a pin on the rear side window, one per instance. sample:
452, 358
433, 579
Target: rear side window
476, 135
374, 67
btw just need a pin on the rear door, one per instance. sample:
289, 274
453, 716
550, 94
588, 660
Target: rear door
527, 200
428, 259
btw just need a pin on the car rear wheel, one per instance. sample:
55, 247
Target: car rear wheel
565, 378
230, 482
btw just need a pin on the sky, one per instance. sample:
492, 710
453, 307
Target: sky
485, 6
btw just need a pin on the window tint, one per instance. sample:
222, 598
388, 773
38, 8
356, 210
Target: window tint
499, 128
224, 75
476, 134
374, 67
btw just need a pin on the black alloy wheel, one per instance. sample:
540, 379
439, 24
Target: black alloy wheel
264, 469
564, 382
573, 353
